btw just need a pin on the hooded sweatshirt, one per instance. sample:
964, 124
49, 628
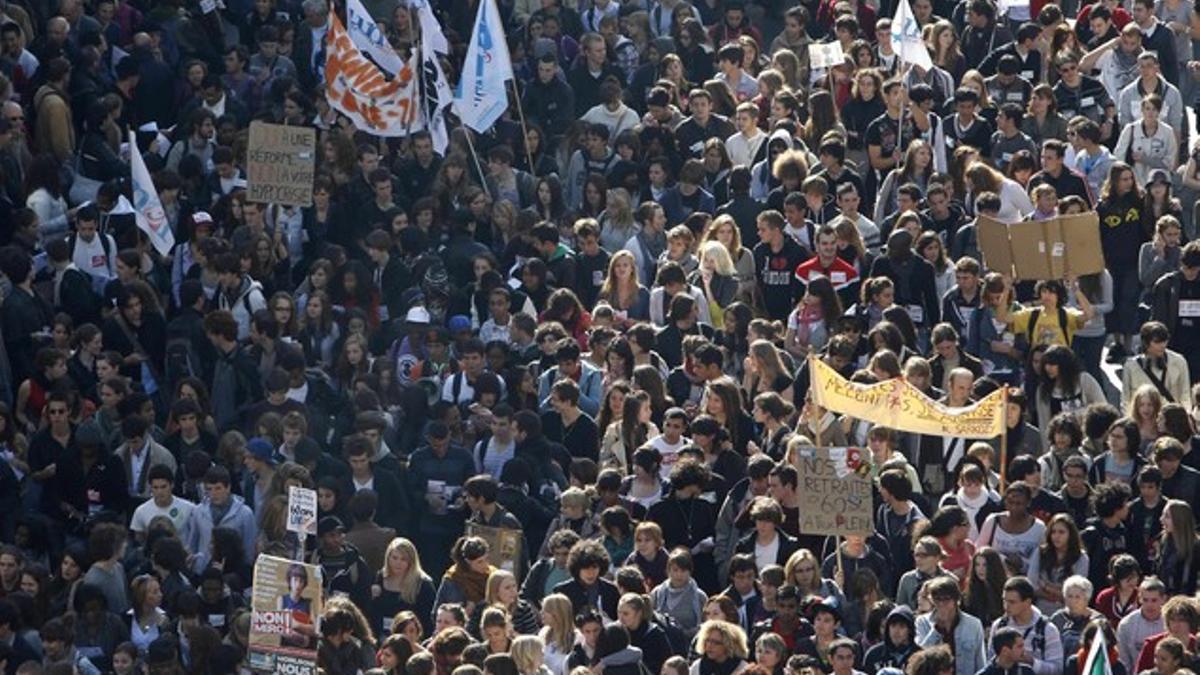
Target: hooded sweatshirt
243, 303
887, 654
685, 605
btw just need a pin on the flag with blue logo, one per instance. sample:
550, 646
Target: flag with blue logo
147, 209
370, 40
480, 97
906, 37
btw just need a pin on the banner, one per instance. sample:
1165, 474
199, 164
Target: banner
436, 95
280, 164
147, 209
285, 616
505, 547
481, 98
1042, 249
358, 89
906, 38
365, 34
835, 491
899, 405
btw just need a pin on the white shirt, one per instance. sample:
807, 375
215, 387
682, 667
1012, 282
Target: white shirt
742, 148
89, 256
178, 510
766, 555
670, 453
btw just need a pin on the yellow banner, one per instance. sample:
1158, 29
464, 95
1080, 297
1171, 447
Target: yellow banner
899, 405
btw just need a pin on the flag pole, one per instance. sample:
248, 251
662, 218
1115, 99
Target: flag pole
524, 127
478, 167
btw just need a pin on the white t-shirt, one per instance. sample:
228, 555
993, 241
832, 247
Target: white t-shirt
670, 453
766, 555
179, 511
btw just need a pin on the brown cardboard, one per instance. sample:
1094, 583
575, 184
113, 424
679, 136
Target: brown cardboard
1081, 243
992, 236
1049, 249
280, 164
1029, 250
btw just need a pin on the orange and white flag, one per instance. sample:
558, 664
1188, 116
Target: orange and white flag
360, 90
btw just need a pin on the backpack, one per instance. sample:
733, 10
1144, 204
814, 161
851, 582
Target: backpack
676, 636
181, 361
1037, 314
105, 243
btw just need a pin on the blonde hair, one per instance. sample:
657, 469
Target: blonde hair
526, 650
492, 592
577, 497
767, 356
720, 257
1146, 391
789, 570
410, 583
560, 629
730, 635
609, 291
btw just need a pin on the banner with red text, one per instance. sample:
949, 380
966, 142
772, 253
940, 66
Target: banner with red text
360, 90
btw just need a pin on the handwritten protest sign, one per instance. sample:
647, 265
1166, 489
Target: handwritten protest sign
825, 54
835, 495
899, 405
302, 510
280, 164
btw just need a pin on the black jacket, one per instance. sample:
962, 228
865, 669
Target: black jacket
787, 546
653, 642
550, 104
608, 596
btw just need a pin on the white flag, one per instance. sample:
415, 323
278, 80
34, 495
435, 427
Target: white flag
147, 209
365, 34
435, 88
480, 98
906, 38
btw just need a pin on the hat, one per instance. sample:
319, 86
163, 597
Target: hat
543, 47
89, 434
261, 449
417, 316
459, 323
329, 524
1009, 65
1159, 176
201, 217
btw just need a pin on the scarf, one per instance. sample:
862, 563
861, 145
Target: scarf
1125, 63
807, 317
472, 583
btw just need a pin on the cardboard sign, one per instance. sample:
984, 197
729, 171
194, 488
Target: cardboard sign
825, 54
285, 616
302, 510
1047, 249
835, 491
505, 547
280, 164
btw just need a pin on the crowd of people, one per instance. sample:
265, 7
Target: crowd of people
595, 325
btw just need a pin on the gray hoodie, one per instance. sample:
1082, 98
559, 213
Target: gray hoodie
685, 605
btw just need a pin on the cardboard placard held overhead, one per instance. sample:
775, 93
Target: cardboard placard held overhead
825, 54
280, 164
835, 497
1047, 249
